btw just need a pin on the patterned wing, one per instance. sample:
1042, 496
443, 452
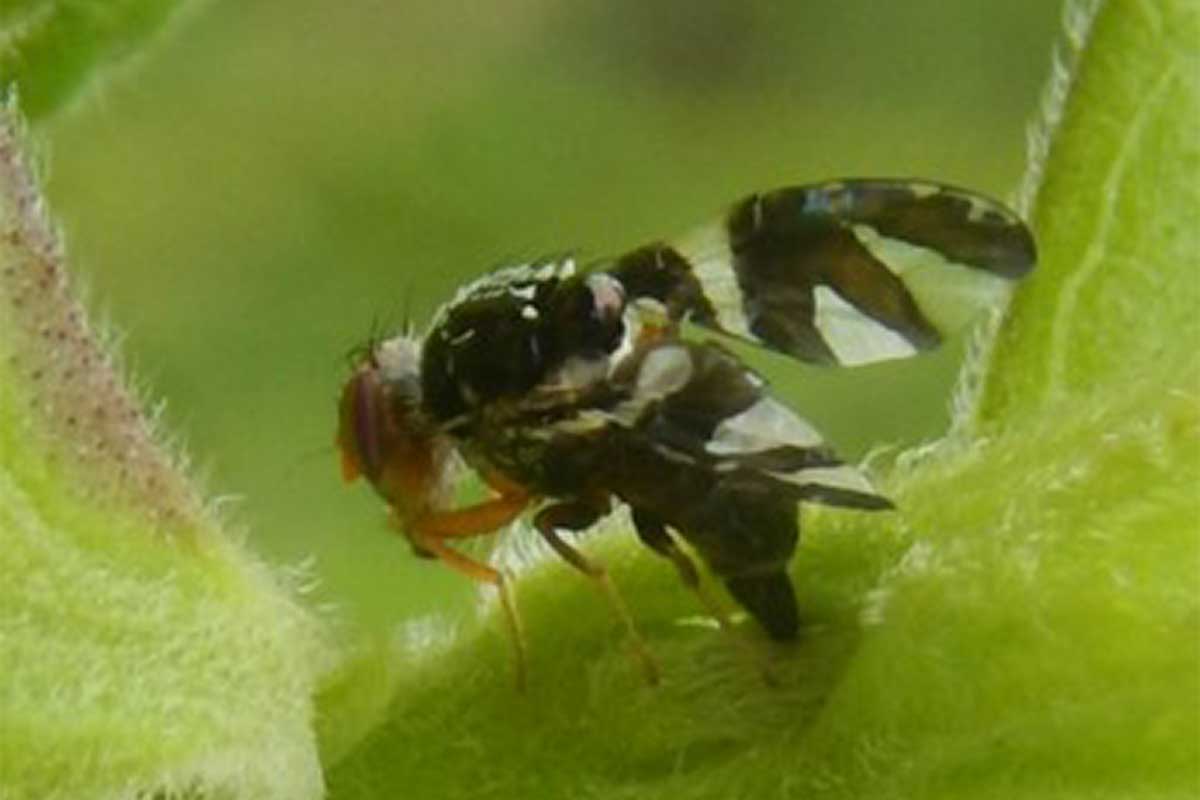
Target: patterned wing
847, 272
698, 406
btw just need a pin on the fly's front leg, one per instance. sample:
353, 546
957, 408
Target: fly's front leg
485, 574
477, 520
428, 531
654, 534
577, 515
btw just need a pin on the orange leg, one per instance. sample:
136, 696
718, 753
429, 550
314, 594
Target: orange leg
484, 574
428, 531
477, 520
500, 483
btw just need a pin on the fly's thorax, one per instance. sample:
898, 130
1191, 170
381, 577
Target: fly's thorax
554, 454
530, 330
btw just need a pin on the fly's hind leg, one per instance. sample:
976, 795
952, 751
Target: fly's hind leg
577, 515
654, 534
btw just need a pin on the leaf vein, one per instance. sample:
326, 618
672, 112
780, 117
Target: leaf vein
1093, 258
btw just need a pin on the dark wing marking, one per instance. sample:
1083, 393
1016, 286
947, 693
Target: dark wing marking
689, 438
695, 442
847, 272
697, 404
660, 272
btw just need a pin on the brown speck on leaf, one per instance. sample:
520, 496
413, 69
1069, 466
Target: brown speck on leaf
77, 405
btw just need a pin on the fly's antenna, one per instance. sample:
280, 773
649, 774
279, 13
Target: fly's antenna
364, 351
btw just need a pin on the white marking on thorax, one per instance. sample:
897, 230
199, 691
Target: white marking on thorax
520, 281
554, 269
463, 337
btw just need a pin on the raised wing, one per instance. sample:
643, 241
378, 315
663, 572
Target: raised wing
846, 272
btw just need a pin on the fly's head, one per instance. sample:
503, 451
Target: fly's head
385, 435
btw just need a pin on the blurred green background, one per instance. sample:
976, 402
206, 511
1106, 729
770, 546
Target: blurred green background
277, 177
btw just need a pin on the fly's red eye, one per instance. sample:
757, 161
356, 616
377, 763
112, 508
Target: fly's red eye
360, 434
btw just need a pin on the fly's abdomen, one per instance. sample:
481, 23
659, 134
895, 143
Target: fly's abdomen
748, 539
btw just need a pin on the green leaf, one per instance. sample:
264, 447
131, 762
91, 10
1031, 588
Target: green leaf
1025, 626
1115, 211
144, 652
49, 49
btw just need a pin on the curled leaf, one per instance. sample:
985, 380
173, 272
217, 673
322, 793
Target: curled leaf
143, 652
